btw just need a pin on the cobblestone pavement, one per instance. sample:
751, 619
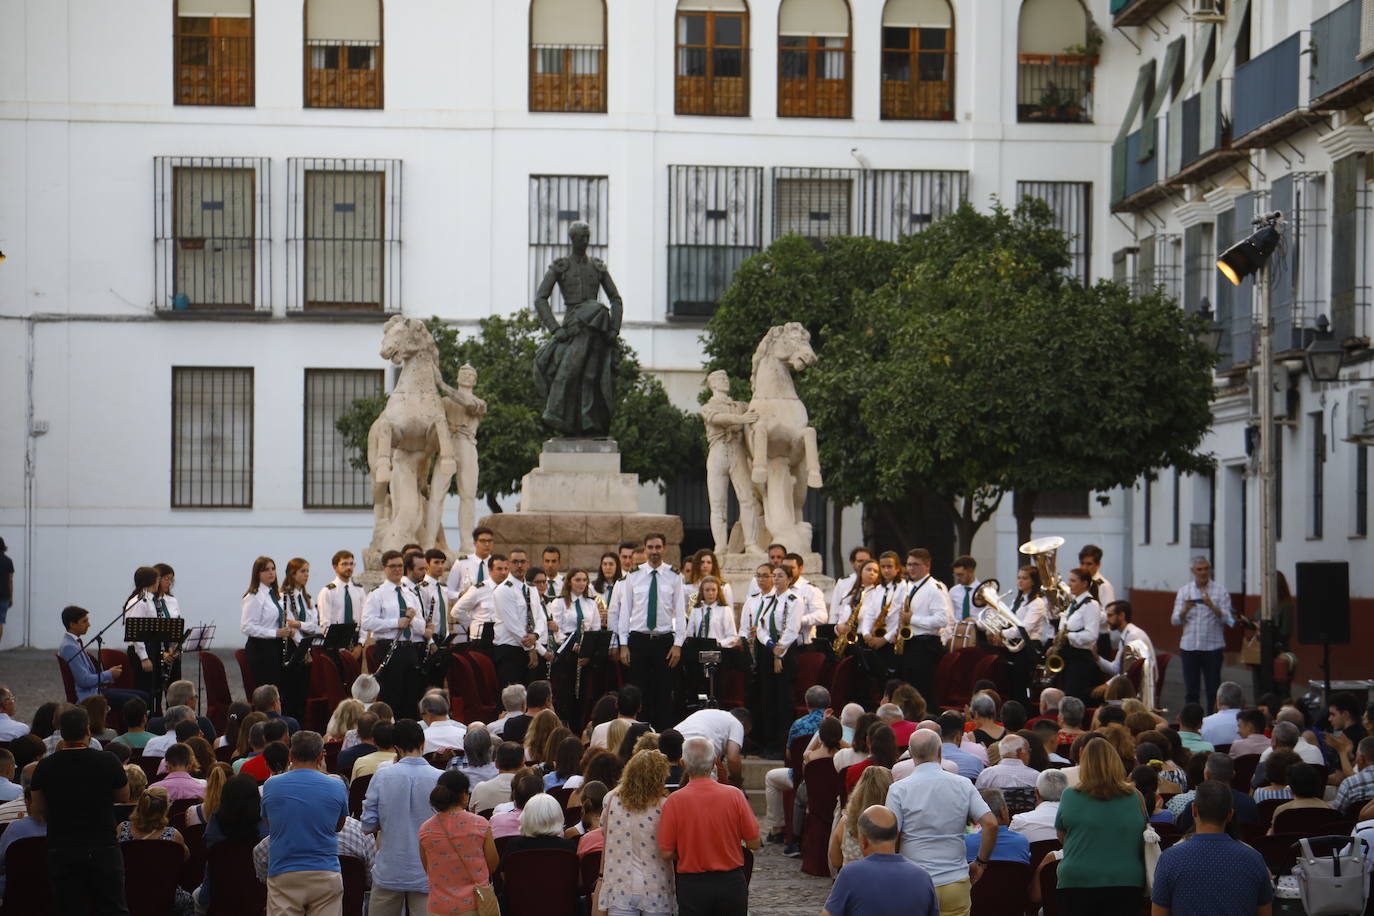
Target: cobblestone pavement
780, 888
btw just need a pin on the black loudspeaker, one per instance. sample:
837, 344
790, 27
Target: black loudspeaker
1324, 602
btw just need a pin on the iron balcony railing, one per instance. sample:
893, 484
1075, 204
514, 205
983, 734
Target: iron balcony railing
1055, 88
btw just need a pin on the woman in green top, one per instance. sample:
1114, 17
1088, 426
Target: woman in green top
1100, 824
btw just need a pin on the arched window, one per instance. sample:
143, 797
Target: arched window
1057, 45
712, 57
214, 52
813, 59
343, 54
918, 60
567, 55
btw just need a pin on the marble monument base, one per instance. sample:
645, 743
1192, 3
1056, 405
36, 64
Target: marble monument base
738, 569
579, 475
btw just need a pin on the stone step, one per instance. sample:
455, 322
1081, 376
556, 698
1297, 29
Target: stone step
755, 768
757, 801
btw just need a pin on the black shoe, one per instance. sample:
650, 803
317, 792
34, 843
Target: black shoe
775, 838
792, 850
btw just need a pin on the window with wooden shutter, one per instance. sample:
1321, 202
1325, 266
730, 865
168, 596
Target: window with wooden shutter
813, 59
568, 55
712, 57
213, 43
918, 60
343, 54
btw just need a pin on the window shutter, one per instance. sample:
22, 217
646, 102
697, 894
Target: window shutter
917, 14
817, 208
821, 18
569, 22
1366, 29
216, 9
336, 21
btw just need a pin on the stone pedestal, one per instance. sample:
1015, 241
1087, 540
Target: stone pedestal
579, 500
738, 570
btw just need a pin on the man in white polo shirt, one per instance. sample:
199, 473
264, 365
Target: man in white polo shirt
725, 730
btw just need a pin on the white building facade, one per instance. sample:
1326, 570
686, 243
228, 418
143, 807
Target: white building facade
210, 206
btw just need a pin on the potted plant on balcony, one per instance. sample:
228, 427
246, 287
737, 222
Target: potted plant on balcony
1056, 104
1080, 55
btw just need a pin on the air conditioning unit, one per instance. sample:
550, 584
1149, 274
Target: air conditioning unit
1206, 11
1359, 416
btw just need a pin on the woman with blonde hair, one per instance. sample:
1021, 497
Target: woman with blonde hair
220, 773
149, 821
537, 736
1100, 822
1119, 737
138, 781
615, 733
844, 839
242, 747
635, 880
344, 720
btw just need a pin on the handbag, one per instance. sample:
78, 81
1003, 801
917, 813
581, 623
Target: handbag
1332, 884
1149, 849
487, 904
1250, 649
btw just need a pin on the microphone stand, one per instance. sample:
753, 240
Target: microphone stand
96, 641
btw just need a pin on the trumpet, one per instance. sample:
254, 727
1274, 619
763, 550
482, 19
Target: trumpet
851, 637
995, 616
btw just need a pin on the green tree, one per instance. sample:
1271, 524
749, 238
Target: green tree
657, 441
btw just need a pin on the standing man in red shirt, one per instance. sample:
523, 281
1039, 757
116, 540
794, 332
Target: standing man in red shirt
703, 826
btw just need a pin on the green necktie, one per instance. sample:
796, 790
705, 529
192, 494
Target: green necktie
653, 599
481, 572
705, 629
577, 604
161, 607
281, 614
967, 593
443, 611
773, 620
348, 605
400, 599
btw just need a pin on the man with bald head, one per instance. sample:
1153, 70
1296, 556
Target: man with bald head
932, 808
882, 883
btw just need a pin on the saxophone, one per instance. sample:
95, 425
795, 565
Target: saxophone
880, 625
848, 639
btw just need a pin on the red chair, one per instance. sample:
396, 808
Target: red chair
1049, 889
249, 683
217, 694
993, 668
110, 658
326, 691
1244, 772
484, 672
1002, 890
234, 885
176, 813
151, 871
839, 681
591, 871
357, 791
541, 882
1161, 667
224, 753
792, 759
809, 670
1041, 848
149, 766
193, 870
572, 816
354, 872
1279, 851
68, 682
462, 683
27, 889
331, 755
823, 786
561, 795
350, 667
1266, 811
1311, 822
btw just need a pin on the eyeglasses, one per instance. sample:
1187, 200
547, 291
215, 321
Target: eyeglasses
395, 566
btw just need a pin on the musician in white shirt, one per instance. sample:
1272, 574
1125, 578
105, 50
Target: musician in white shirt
650, 611
166, 601
575, 612
926, 609
552, 559
777, 629
1028, 608
763, 583
775, 554
966, 585
520, 647
475, 570
844, 589
708, 617
1080, 665
814, 609
393, 615
341, 601
431, 589
143, 602
295, 602
1119, 617
1090, 558
706, 564
263, 620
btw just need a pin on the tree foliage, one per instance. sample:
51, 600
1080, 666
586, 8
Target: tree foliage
962, 363
657, 440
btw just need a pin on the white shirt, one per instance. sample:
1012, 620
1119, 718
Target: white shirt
443, 734
11, 728
1129, 634
1083, 614
1007, 773
436, 605
157, 747
142, 605
1202, 631
871, 612
727, 593
297, 607
518, 610
1038, 823
383, 617
715, 724
259, 614
956, 599
630, 604
1305, 749
840, 598
553, 588
329, 604
782, 612
564, 613
1033, 616
814, 610
601, 731
931, 611
464, 576
718, 624
1220, 727
1106, 594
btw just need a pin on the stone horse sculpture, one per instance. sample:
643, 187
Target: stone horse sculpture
411, 434
782, 446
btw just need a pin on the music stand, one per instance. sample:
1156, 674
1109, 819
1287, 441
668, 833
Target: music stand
595, 644
155, 631
340, 636
198, 639
706, 652
296, 655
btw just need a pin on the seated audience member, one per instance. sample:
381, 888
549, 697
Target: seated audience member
1358, 788
1276, 777
276, 758
384, 737
858, 745
1145, 778
1038, 823
882, 747
871, 790
629, 702
1304, 781
183, 693
982, 711
781, 780
43, 724
881, 882
173, 718
593, 803
510, 759
951, 733
23, 828
913, 706
441, 732
179, 783
1250, 726
9, 789
1220, 727
10, 728
220, 773
343, 721
597, 766
454, 878
243, 742
566, 760
138, 783
1153, 749
274, 731
541, 827
237, 819
1047, 732
1050, 698
1287, 736
476, 763
98, 708
1190, 729
1222, 768
150, 820
1071, 712
53, 740
362, 744
366, 688
1211, 874
1010, 846
512, 708
1012, 769
525, 785
267, 699
233, 723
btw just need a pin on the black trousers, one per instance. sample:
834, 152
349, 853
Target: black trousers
1081, 673
916, 665
294, 686
512, 665
775, 697
650, 672
264, 660
88, 879
399, 678
712, 893
1022, 666
1094, 901
1201, 666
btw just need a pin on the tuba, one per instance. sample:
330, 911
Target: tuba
1052, 588
995, 616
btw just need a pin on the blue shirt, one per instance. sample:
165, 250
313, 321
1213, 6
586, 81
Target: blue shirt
87, 679
1186, 878
883, 884
21, 829
303, 808
804, 727
1010, 846
932, 808
9, 791
969, 765
397, 803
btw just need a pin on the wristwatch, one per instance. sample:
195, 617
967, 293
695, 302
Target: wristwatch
980, 861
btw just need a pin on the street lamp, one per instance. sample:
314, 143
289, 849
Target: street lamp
1211, 332
1323, 355
1246, 257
